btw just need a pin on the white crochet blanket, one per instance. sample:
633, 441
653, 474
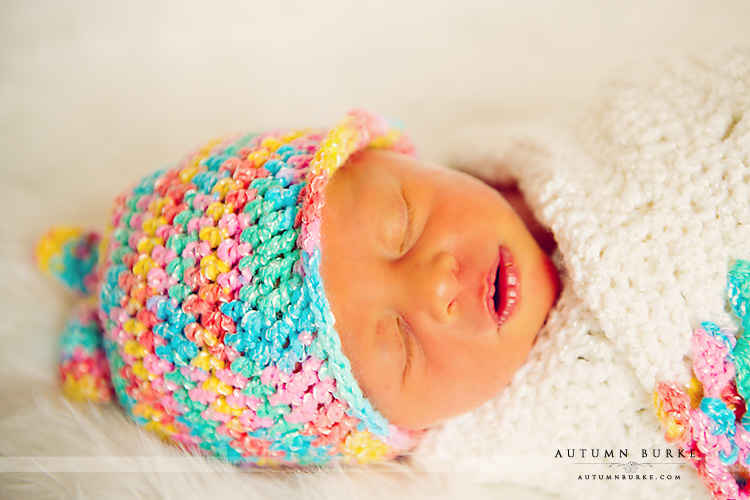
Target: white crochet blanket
647, 194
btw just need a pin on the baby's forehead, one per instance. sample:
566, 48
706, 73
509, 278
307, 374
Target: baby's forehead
381, 170
370, 164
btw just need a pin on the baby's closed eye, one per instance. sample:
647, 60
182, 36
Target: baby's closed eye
394, 227
408, 233
408, 337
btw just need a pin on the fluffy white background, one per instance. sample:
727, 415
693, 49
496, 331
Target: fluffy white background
95, 94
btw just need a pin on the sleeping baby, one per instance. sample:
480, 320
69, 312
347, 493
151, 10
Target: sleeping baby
304, 297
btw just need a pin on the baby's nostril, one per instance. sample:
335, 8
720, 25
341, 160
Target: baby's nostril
452, 307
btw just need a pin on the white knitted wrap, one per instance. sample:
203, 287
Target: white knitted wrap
647, 193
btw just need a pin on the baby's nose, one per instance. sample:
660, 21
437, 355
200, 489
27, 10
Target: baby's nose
437, 286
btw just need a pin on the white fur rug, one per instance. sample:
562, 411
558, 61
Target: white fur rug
94, 94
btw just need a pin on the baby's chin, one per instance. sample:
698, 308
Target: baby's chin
549, 279
542, 288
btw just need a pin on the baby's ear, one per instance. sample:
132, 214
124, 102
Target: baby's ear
70, 254
484, 151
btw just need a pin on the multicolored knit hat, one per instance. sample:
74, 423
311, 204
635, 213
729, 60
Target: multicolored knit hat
206, 313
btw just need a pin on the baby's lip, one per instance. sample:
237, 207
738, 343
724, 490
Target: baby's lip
503, 282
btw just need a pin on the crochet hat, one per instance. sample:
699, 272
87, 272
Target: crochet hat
206, 315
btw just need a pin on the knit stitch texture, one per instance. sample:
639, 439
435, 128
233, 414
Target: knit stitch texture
207, 317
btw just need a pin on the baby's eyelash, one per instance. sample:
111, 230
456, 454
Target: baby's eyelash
408, 227
405, 331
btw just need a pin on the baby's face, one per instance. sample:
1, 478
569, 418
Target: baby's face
437, 287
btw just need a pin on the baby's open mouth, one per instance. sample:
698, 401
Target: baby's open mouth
505, 293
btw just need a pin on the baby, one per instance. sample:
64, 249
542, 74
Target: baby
307, 297
302, 297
